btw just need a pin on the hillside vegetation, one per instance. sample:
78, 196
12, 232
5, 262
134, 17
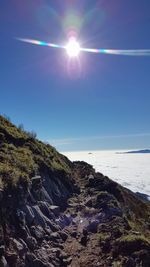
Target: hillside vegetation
23, 156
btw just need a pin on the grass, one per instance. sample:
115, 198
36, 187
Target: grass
22, 155
131, 238
103, 237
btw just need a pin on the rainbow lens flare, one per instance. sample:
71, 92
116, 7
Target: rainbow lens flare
128, 52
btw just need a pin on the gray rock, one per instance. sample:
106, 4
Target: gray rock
55, 209
54, 227
38, 232
67, 261
29, 214
55, 237
89, 203
3, 262
56, 251
74, 234
30, 256
40, 263
16, 244
1, 194
2, 250
31, 242
40, 218
84, 240
92, 227
63, 235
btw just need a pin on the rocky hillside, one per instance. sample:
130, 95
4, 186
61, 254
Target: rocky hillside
57, 213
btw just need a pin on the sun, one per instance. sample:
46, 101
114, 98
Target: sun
73, 48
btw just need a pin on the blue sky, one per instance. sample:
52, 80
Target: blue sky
104, 103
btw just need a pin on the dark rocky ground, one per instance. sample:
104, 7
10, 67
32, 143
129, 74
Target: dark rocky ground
93, 230
57, 213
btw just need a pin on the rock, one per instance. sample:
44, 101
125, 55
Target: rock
3, 262
54, 227
113, 211
73, 222
56, 251
63, 235
67, 261
55, 237
40, 263
31, 242
1, 236
17, 245
55, 209
74, 234
85, 232
29, 214
84, 240
40, 218
63, 255
2, 250
21, 217
1, 194
67, 220
129, 262
38, 232
89, 203
92, 227
30, 257
45, 209
36, 181
12, 257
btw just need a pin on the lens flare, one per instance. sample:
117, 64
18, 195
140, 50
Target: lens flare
73, 48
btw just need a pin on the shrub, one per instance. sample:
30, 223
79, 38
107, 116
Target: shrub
103, 237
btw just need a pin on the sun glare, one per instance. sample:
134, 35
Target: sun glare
73, 48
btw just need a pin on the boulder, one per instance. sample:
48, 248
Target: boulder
3, 262
37, 232
31, 242
63, 235
2, 250
55, 237
74, 234
83, 240
55, 209
92, 227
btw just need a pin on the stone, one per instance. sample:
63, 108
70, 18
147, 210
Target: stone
30, 256
31, 242
2, 250
29, 214
67, 261
55, 209
1, 194
40, 263
89, 203
16, 244
74, 234
1, 236
84, 240
3, 262
85, 232
38, 232
55, 237
63, 235
12, 257
56, 251
92, 227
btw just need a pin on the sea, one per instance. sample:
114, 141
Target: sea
130, 170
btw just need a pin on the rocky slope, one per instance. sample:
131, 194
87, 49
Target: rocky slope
57, 213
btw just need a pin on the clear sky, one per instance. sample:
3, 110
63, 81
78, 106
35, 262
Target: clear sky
100, 102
